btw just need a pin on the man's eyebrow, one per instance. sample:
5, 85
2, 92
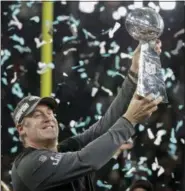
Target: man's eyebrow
34, 111
37, 110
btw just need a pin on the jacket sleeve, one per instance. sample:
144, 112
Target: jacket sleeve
116, 110
46, 169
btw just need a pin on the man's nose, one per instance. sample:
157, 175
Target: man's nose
47, 117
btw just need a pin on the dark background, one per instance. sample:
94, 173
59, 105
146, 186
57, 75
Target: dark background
85, 68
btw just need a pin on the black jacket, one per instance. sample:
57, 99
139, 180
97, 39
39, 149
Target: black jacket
78, 157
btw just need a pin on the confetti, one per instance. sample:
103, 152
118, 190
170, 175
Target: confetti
115, 28
22, 49
150, 133
94, 91
17, 39
14, 149
115, 167
69, 50
35, 18
88, 34
158, 139
4, 80
14, 78
178, 47
16, 90
102, 47
161, 171
115, 48
99, 183
5, 56
15, 22
182, 31
107, 91
179, 125
141, 127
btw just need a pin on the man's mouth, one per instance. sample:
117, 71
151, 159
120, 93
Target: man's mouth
48, 127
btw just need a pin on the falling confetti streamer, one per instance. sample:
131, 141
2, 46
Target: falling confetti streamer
115, 28
115, 167
16, 90
99, 183
17, 39
5, 56
15, 22
35, 18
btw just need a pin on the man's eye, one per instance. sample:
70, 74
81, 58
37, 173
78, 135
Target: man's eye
37, 115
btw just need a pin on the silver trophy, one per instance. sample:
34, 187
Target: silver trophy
146, 25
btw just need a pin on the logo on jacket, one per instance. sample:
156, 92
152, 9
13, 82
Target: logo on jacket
56, 159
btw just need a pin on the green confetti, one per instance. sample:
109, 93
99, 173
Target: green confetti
10, 107
81, 70
16, 90
98, 108
11, 130
117, 61
14, 149
17, 39
4, 80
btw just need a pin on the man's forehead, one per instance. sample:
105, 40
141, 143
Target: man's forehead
42, 106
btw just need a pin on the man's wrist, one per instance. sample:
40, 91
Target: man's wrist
129, 120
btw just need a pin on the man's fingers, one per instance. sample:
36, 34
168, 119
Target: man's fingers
126, 146
136, 96
148, 98
155, 102
138, 48
158, 46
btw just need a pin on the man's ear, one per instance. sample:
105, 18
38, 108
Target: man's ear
21, 130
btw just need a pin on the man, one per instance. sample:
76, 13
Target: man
45, 165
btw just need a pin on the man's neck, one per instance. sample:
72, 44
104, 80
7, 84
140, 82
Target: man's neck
48, 145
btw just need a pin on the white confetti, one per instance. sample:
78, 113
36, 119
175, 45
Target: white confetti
161, 171
158, 140
142, 160
64, 74
94, 91
107, 90
14, 78
69, 50
102, 47
72, 123
182, 141
57, 100
182, 31
115, 48
115, 28
178, 47
154, 166
159, 125
124, 55
150, 133
35, 18
39, 43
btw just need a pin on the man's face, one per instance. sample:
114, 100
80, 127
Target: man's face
41, 125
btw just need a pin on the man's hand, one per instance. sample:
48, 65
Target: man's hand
135, 60
141, 108
125, 146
